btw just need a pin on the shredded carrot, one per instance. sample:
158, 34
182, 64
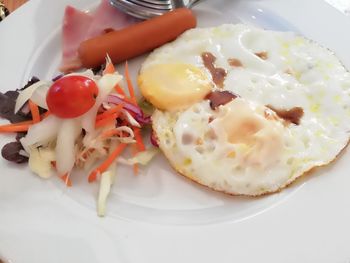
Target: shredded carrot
93, 176
66, 180
34, 110
119, 90
106, 121
130, 86
17, 123
104, 166
110, 69
137, 131
139, 147
136, 169
139, 141
109, 133
107, 113
65, 177
16, 127
24, 125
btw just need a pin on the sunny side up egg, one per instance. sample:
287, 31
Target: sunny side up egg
291, 111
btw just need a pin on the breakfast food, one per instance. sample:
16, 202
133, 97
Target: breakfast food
79, 120
277, 106
79, 26
137, 39
88, 119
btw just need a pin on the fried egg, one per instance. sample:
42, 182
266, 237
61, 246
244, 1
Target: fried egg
248, 145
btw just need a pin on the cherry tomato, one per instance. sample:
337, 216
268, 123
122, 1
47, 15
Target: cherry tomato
71, 96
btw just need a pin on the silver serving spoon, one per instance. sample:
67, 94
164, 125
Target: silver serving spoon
145, 9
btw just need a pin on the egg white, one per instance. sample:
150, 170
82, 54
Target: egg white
296, 73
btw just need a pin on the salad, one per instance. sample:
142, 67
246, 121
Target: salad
77, 121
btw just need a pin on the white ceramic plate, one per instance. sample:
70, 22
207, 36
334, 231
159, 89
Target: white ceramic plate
159, 216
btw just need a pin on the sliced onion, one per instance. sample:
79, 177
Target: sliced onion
127, 130
87, 73
39, 96
143, 119
135, 110
41, 132
25, 109
27, 93
90, 141
65, 145
24, 153
106, 85
57, 77
126, 140
88, 119
107, 180
105, 188
142, 158
40, 161
112, 98
130, 119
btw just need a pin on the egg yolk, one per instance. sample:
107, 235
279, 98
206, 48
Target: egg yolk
174, 86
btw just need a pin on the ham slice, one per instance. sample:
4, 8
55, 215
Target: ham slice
79, 26
108, 17
74, 27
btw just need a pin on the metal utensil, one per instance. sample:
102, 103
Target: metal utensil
3, 11
145, 9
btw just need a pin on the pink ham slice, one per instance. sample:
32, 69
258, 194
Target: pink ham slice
79, 26
108, 17
74, 28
